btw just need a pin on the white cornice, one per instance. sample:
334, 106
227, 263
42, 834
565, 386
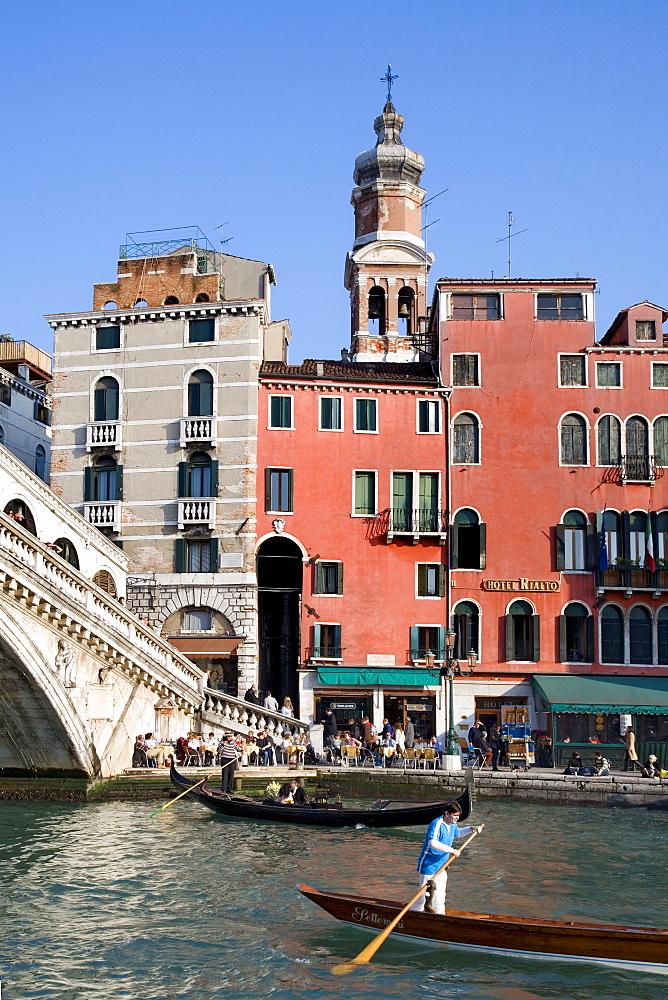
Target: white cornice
198, 310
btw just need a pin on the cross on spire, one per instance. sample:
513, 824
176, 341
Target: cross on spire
389, 80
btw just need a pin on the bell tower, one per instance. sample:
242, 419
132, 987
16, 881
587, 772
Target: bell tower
387, 269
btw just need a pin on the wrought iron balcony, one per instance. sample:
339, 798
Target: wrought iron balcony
416, 523
324, 653
630, 578
106, 514
104, 434
419, 654
197, 430
197, 513
639, 469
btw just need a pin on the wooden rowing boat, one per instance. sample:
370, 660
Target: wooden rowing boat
638, 948
387, 813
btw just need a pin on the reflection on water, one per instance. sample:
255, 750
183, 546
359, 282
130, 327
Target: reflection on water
102, 903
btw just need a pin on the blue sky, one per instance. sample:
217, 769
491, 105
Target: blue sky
145, 114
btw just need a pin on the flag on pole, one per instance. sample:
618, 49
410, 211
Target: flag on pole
603, 547
650, 561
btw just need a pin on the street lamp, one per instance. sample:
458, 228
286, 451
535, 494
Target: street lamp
447, 672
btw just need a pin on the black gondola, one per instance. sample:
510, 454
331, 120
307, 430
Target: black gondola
381, 814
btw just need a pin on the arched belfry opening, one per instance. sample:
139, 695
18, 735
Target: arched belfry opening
279, 577
377, 312
406, 325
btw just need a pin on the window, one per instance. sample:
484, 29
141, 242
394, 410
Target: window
661, 442
572, 369
429, 416
6, 394
559, 307
40, 462
611, 525
576, 634
576, 542
202, 297
105, 399
197, 620
377, 311
659, 376
465, 369
328, 578
609, 440
366, 415
196, 555
280, 411
427, 639
107, 338
637, 536
110, 305
415, 513
201, 330
430, 580
171, 300
476, 307
468, 541
364, 493
573, 440
640, 635
645, 329
608, 374
21, 513
42, 413
198, 477
200, 394
278, 490
327, 642
466, 623
662, 536
105, 581
522, 633
466, 440
67, 551
612, 635
331, 413
637, 465
103, 482
2, 433
662, 637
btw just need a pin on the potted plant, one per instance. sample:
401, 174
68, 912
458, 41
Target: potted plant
662, 574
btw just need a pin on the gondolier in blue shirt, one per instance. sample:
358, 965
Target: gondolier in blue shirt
436, 850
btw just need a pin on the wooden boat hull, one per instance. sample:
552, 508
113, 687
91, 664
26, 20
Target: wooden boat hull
637, 948
389, 815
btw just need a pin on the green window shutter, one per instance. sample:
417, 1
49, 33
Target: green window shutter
655, 533
454, 545
483, 545
510, 638
88, 484
589, 638
276, 412
563, 651
180, 555
592, 547
267, 489
119, 482
414, 641
214, 479
365, 500
422, 579
336, 629
290, 504
319, 578
440, 655
441, 581
626, 535
560, 536
99, 400
535, 621
316, 639
423, 410
183, 480
339, 578
213, 555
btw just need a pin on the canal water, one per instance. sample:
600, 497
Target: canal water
101, 902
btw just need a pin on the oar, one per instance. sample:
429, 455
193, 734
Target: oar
367, 953
190, 789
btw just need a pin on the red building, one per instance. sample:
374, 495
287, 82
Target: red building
504, 482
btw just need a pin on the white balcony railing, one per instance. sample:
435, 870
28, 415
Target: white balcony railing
197, 430
197, 513
104, 434
104, 515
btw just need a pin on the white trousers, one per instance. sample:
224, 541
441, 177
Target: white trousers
438, 897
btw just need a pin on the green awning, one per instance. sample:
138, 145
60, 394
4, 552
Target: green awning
381, 676
612, 695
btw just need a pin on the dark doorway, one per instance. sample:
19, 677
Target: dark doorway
279, 577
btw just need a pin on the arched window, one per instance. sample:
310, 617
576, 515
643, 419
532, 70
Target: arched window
640, 635
198, 477
105, 399
576, 634
21, 513
197, 620
200, 394
67, 551
612, 526
110, 305
661, 442
466, 440
637, 536
171, 300
573, 440
522, 633
662, 636
609, 440
377, 310
40, 462
637, 464
104, 479
466, 617
469, 540
572, 541
140, 303
612, 635
202, 297
406, 308
105, 582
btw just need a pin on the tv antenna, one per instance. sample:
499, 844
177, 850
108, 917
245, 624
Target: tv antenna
229, 239
511, 236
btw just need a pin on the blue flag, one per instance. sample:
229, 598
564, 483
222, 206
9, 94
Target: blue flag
603, 547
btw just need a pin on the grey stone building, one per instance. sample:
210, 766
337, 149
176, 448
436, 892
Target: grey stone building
155, 432
25, 415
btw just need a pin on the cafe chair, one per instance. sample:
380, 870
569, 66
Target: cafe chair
411, 758
349, 756
429, 758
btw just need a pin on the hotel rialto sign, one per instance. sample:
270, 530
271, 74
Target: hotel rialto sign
523, 585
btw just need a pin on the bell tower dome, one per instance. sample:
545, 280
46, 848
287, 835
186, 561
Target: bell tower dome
387, 269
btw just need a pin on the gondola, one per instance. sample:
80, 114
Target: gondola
642, 949
381, 814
